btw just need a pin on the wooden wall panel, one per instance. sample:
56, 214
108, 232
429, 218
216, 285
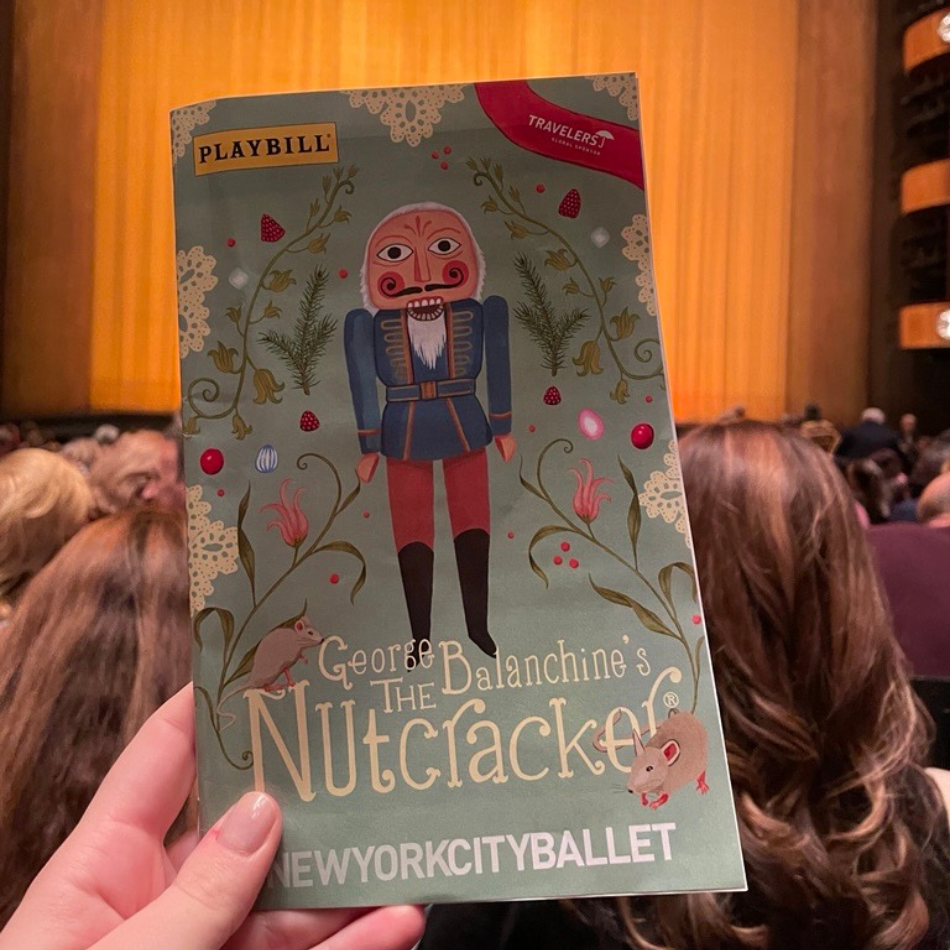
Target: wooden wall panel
50, 215
6, 101
831, 218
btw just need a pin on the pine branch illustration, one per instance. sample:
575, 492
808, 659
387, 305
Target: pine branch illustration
313, 332
551, 332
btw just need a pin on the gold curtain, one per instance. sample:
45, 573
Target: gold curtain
718, 92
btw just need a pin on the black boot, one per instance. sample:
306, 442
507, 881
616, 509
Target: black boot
471, 554
415, 564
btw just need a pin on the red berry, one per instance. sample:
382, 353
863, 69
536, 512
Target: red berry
334, 578
570, 206
435, 154
447, 150
649, 399
220, 493
539, 189
231, 242
575, 564
365, 514
344, 273
552, 397
211, 461
642, 436
531, 428
565, 547
558, 560
270, 230
511, 535
309, 422
443, 165
696, 618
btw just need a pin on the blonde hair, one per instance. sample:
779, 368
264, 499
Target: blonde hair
123, 469
44, 501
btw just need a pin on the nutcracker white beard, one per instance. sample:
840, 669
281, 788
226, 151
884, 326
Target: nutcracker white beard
427, 338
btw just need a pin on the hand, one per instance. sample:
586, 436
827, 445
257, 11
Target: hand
506, 446
366, 467
112, 885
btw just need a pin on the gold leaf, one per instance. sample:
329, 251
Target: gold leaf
472, 164
327, 184
489, 206
571, 287
314, 208
240, 428
318, 244
606, 283
191, 426
621, 392
352, 171
223, 357
624, 324
341, 215
498, 172
266, 387
279, 280
271, 311
588, 360
515, 194
234, 314
516, 230
558, 260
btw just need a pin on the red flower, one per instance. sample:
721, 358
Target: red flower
587, 500
290, 521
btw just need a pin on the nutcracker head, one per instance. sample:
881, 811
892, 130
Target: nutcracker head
419, 258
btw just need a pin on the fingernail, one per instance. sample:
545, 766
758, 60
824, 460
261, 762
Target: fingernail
248, 824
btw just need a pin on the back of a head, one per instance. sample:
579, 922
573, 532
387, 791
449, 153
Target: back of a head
873, 414
125, 471
44, 501
99, 641
824, 739
934, 505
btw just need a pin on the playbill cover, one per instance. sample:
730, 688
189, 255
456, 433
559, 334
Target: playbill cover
444, 602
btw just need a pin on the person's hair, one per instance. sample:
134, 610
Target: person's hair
99, 641
44, 501
83, 453
812, 412
825, 739
873, 414
930, 464
124, 469
869, 488
935, 501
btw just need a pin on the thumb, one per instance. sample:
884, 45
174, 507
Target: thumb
215, 888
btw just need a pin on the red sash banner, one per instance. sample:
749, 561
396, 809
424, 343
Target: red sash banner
540, 126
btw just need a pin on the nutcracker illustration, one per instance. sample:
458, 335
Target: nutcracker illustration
425, 335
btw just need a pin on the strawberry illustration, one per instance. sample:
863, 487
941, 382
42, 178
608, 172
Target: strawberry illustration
552, 397
570, 206
309, 422
270, 230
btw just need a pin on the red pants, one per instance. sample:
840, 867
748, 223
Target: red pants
412, 501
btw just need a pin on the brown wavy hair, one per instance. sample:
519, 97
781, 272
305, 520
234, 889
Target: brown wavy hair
845, 837
100, 639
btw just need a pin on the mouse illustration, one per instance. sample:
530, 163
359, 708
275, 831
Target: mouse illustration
676, 755
277, 652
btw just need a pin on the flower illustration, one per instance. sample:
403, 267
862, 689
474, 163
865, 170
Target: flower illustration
623, 87
290, 521
411, 112
212, 548
195, 279
587, 499
662, 495
183, 123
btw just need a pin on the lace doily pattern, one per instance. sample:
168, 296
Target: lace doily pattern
183, 125
410, 113
637, 248
662, 495
623, 87
212, 548
195, 279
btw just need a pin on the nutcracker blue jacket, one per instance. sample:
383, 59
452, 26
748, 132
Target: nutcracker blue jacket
429, 413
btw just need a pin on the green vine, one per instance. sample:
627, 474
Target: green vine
232, 671
661, 591
204, 392
506, 200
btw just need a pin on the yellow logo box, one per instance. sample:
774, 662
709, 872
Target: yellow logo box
311, 144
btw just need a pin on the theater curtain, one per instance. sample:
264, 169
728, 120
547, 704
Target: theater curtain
718, 91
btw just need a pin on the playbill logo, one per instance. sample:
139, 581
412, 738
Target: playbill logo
310, 144
565, 134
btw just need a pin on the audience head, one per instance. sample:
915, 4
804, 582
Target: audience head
930, 464
822, 730
909, 425
140, 468
872, 414
100, 639
83, 453
869, 488
9, 438
812, 412
933, 509
44, 501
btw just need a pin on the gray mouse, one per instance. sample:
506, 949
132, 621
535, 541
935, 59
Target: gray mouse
277, 652
676, 755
